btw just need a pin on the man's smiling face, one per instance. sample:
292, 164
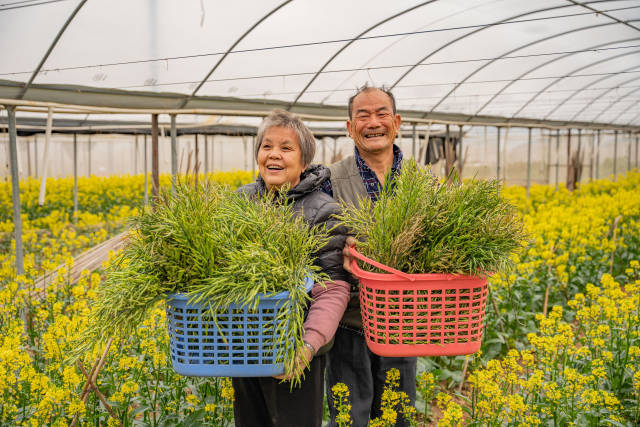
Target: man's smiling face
373, 126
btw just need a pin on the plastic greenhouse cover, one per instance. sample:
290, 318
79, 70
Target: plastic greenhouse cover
548, 59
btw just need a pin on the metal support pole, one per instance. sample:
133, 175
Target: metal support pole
324, 151
253, 157
636, 151
146, 173
568, 157
615, 155
75, 177
598, 156
89, 154
213, 152
335, 149
629, 153
557, 157
174, 151
135, 157
45, 157
206, 155
460, 151
591, 155
221, 155
35, 146
549, 159
28, 144
413, 142
196, 166
155, 175
579, 165
246, 159
15, 188
498, 156
529, 164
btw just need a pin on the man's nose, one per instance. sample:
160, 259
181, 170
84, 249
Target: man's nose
373, 121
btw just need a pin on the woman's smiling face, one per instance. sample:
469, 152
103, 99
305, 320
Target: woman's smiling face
280, 158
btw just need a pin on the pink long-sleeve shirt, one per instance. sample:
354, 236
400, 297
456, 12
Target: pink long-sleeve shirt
326, 310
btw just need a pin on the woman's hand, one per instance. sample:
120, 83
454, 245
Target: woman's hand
302, 361
351, 241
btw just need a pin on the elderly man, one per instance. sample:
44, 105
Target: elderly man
373, 124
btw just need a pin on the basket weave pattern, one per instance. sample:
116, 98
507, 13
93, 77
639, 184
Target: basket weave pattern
421, 314
238, 343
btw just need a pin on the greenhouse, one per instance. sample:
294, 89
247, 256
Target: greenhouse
110, 110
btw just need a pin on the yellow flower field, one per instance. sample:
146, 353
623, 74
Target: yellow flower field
561, 345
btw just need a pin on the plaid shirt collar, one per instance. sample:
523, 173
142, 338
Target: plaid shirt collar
369, 178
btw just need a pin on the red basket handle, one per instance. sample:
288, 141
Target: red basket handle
358, 255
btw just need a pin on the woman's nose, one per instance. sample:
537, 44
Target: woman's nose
275, 153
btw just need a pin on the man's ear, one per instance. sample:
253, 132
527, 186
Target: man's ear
349, 128
398, 120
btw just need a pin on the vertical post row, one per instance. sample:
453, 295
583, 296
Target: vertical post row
615, 155
629, 153
598, 156
89, 155
253, 157
557, 156
529, 164
568, 157
75, 178
636, 151
15, 188
135, 156
592, 155
579, 165
196, 166
174, 152
549, 158
35, 146
45, 157
206, 155
155, 175
413, 141
460, 162
146, 173
498, 155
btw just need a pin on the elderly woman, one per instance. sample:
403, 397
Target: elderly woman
284, 151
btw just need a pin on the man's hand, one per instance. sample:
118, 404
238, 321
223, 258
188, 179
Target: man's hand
302, 360
351, 241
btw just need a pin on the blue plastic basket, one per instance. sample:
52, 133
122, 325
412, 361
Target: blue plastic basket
198, 346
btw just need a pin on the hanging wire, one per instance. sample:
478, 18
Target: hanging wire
10, 6
288, 46
346, 70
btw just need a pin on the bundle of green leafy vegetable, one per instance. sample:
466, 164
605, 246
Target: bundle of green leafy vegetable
219, 248
418, 225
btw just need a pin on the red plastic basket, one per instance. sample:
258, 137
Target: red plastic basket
407, 315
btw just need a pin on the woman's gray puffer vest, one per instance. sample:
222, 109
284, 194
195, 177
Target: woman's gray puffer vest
317, 208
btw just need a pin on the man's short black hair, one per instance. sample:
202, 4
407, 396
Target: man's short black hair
367, 88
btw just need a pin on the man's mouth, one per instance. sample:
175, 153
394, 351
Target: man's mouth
374, 135
274, 168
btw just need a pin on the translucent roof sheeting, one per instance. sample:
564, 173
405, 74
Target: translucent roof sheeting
560, 60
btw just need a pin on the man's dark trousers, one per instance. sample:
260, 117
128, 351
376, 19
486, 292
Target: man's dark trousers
351, 362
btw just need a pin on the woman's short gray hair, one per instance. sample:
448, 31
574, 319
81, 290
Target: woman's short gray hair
285, 119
